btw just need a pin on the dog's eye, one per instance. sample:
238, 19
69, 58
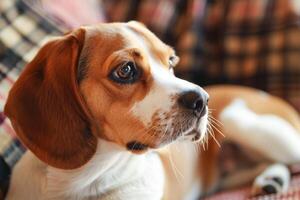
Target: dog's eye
126, 73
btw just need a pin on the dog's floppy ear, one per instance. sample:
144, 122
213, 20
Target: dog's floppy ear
46, 108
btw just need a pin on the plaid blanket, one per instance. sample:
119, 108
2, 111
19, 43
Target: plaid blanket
254, 43
248, 42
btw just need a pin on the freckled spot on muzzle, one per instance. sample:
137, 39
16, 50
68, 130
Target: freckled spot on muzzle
136, 146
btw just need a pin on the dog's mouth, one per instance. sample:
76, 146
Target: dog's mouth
197, 132
186, 128
179, 126
195, 135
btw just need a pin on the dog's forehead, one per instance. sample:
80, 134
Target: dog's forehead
117, 36
153, 42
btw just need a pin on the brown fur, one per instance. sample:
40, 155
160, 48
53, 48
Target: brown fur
46, 108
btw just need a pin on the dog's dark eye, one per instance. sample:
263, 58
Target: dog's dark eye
125, 73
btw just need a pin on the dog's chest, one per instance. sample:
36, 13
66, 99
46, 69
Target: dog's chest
122, 176
110, 174
135, 181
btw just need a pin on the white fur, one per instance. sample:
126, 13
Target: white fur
270, 135
113, 173
194, 192
203, 126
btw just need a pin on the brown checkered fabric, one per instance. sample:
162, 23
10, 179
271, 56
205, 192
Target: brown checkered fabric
248, 42
255, 43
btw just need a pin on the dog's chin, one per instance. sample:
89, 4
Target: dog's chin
194, 136
196, 133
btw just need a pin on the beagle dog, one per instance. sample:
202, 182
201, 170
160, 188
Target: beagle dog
92, 107
104, 117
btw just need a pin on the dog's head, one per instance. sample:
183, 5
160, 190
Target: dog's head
110, 81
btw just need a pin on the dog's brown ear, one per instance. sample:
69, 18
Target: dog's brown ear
46, 108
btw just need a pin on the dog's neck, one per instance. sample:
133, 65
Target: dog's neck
111, 168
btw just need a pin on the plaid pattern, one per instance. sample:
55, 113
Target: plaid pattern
254, 43
247, 42
22, 32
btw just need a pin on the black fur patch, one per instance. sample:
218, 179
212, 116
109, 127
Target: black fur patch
136, 146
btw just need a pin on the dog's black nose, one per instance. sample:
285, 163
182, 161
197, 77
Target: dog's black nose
195, 100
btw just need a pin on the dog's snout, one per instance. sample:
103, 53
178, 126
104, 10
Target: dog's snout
195, 101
